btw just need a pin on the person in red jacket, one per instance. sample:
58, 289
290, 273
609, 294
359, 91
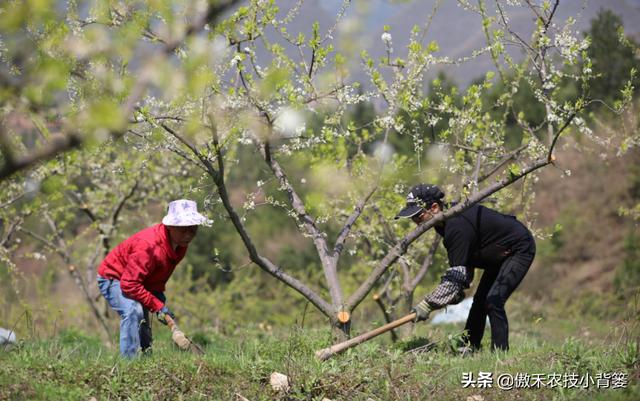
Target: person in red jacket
132, 277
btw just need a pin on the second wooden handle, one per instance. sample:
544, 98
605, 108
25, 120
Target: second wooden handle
327, 353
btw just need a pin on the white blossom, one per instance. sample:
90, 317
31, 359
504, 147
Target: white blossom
289, 122
220, 45
386, 121
585, 130
250, 202
553, 118
433, 120
245, 140
568, 45
31, 185
383, 151
235, 60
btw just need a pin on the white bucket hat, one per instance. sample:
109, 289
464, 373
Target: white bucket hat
184, 212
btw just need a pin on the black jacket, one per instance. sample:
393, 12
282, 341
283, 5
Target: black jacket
482, 237
478, 237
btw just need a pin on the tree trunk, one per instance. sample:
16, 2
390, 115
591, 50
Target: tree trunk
340, 331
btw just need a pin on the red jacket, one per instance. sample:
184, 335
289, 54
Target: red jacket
143, 263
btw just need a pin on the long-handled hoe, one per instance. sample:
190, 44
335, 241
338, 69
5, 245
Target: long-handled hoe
327, 353
182, 341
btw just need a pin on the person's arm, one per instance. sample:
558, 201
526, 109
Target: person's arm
451, 288
456, 278
138, 266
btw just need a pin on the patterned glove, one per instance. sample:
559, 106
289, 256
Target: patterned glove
422, 310
162, 313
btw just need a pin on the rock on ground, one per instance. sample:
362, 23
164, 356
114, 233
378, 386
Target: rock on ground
279, 382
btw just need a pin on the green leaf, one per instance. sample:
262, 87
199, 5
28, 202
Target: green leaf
433, 47
514, 170
106, 114
274, 80
52, 184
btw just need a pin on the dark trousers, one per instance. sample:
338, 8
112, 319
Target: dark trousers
496, 285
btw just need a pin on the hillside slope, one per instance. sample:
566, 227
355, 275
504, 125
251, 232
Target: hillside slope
589, 245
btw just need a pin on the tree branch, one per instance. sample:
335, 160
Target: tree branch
524, 44
179, 137
390, 238
53, 247
123, 200
12, 200
502, 162
557, 135
387, 317
58, 144
316, 97
83, 207
63, 142
384, 291
14, 226
106, 236
91, 261
319, 238
262, 262
329, 261
553, 11
175, 150
61, 247
170, 46
426, 263
62, 251
344, 233
476, 171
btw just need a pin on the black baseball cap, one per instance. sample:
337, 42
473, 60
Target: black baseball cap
421, 196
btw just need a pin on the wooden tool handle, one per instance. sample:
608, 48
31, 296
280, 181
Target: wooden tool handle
170, 322
327, 353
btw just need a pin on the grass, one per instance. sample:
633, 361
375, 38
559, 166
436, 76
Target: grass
75, 366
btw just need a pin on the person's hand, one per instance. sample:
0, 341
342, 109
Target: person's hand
163, 313
422, 310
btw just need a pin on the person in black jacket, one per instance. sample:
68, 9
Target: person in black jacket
479, 237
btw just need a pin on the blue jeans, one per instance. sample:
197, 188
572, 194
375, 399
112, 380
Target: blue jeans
135, 327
